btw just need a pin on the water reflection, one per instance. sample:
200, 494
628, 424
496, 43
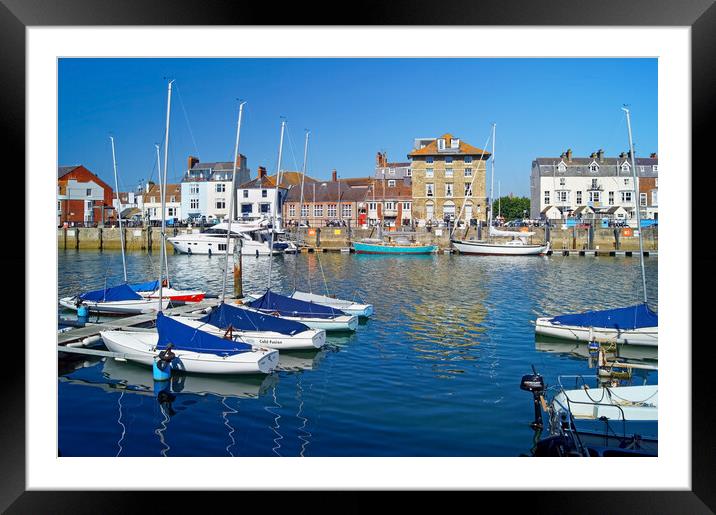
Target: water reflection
633, 353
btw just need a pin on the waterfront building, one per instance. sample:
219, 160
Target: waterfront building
390, 196
258, 198
335, 201
205, 187
447, 174
152, 203
82, 197
130, 204
600, 183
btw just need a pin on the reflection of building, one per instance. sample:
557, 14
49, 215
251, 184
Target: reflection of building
600, 183
447, 173
82, 197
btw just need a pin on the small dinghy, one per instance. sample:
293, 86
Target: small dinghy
347, 306
118, 300
196, 351
150, 290
311, 314
258, 329
633, 325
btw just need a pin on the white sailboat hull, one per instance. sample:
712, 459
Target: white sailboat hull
141, 348
642, 336
499, 249
339, 323
620, 403
310, 339
352, 308
121, 307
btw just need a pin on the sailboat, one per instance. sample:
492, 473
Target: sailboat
347, 306
194, 350
635, 325
518, 246
115, 300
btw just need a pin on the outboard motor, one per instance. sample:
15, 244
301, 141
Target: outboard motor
534, 383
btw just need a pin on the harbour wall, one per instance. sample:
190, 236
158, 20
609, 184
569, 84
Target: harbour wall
147, 238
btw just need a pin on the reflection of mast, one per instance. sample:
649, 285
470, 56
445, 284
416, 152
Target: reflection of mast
276, 427
303, 438
226, 423
119, 421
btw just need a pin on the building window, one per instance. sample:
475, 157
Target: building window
429, 192
194, 189
371, 206
391, 183
641, 169
390, 206
626, 182
172, 199
562, 167
304, 211
655, 168
642, 199
448, 159
247, 209
331, 210
468, 189
448, 172
429, 173
264, 193
406, 206
347, 210
391, 171
611, 198
292, 210
562, 197
579, 198
562, 181
409, 172
154, 211
468, 172
654, 199
546, 197
594, 167
221, 187
441, 144
194, 203
429, 159
220, 203
265, 208
222, 246
152, 200
89, 192
594, 184
595, 196
625, 166
626, 197
246, 193
171, 211
468, 159
318, 210
448, 189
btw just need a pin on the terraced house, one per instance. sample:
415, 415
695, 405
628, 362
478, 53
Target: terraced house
447, 174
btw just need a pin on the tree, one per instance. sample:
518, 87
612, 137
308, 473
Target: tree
511, 208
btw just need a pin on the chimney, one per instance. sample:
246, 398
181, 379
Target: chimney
654, 155
593, 155
378, 159
622, 155
238, 161
262, 172
600, 154
191, 162
334, 176
569, 155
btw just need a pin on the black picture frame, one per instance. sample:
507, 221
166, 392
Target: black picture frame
700, 15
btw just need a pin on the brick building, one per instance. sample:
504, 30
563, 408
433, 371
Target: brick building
390, 196
83, 198
447, 174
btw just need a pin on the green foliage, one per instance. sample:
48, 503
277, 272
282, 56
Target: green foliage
512, 208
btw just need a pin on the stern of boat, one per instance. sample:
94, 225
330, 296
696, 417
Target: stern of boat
268, 362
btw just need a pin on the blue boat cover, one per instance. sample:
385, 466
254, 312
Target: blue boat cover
148, 286
184, 337
115, 293
273, 302
225, 314
633, 317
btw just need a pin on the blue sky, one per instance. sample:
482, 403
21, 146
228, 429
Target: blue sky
353, 108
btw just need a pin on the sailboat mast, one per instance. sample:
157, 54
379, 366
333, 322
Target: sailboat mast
303, 180
159, 174
119, 210
499, 201
166, 158
492, 180
231, 200
636, 203
278, 176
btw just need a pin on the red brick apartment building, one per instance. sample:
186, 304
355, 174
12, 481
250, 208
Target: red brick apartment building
82, 197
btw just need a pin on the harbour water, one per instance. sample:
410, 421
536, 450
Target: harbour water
435, 371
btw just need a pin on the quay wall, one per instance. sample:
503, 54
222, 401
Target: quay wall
138, 238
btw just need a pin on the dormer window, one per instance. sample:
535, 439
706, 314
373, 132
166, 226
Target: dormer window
562, 167
655, 168
441, 144
625, 166
455, 143
593, 167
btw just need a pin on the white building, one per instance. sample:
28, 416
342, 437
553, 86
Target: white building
205, 187
258, 198
152, 201
564, 184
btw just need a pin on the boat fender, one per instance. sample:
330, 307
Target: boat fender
209, 252
188, 250
162, 370
82, 311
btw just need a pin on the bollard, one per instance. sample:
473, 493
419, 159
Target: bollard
547, 232
479, 230
574, 237
318, 237
101, 243
590, 236
617, 233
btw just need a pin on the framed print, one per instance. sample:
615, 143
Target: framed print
361, 176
